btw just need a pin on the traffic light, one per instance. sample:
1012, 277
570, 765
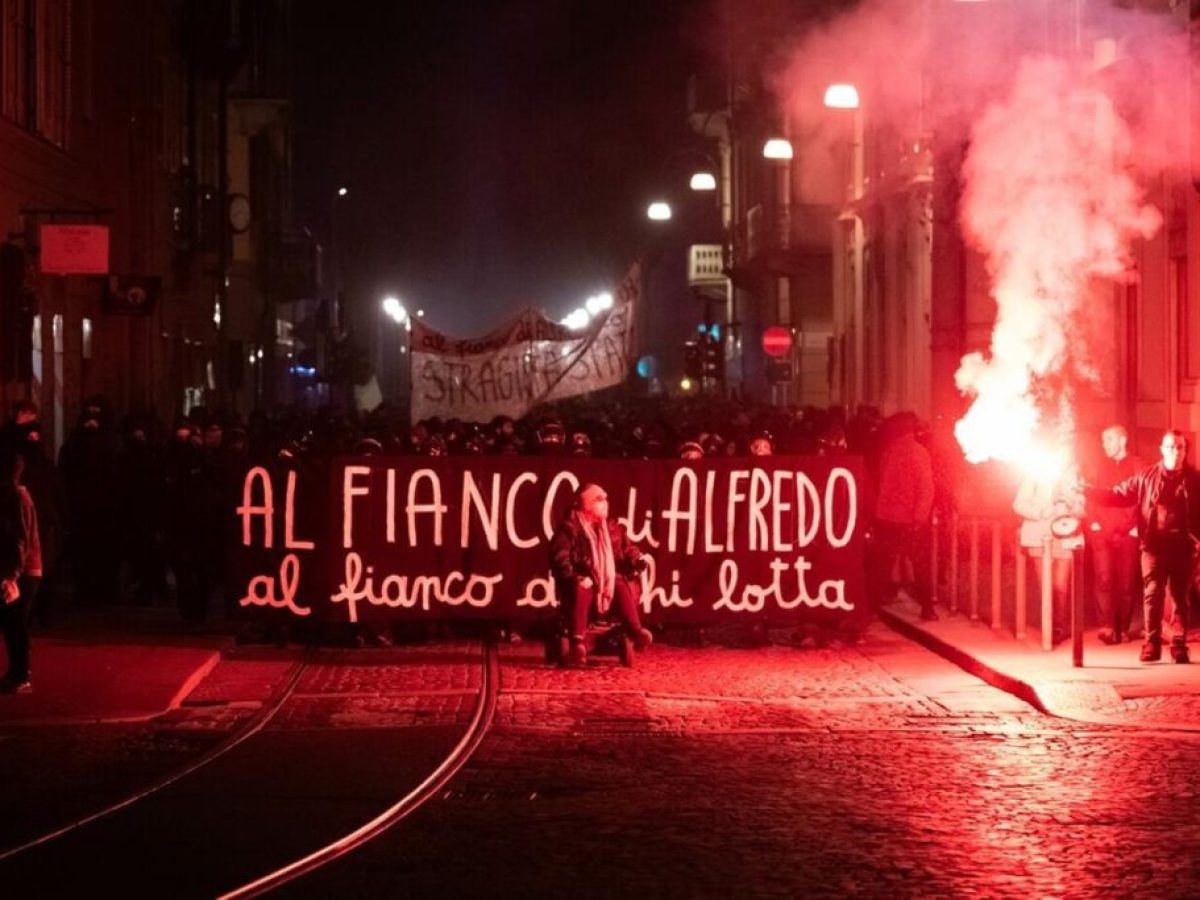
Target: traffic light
693, 360
713, 358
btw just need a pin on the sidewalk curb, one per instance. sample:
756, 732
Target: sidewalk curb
190, 684
1020, 689
202, 669
1010, 684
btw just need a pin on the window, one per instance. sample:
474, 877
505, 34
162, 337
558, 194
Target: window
36, 65
15, 50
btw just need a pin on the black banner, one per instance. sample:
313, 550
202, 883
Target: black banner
779, 538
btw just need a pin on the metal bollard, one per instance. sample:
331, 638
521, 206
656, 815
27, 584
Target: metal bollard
1077, 608
974, 570
1047, 593
1021, 617
954, 562
996, 617
934, 574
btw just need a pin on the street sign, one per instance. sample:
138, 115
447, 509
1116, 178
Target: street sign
74, 249
777, 341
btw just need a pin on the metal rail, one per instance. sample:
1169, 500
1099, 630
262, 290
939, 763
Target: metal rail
974, 528
256, 723
431, 786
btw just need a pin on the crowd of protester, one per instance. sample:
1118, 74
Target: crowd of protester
136, 513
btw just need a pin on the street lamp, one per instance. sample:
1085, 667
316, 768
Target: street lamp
335, 263
659, 211
846, 97
577, 319
395, 310
778, 150
598, 303
708, 176
841, 96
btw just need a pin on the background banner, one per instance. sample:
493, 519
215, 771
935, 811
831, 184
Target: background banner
418, 538
527, 361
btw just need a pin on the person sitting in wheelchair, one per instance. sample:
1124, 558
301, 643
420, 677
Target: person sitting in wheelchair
595, 567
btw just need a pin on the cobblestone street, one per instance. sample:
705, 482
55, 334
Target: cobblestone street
873, 769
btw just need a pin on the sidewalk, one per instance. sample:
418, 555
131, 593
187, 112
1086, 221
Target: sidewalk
1112, 687
107, 668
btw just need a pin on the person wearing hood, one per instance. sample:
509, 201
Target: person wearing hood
88, 463
20, 570
903, 506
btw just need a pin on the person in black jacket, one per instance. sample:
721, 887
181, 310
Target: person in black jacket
1166, 496
595, 565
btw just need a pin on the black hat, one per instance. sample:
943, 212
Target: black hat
551, 433
581, 443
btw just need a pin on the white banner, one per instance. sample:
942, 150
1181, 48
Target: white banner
527, 361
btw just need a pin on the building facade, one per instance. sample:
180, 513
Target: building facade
862, 251
168, 125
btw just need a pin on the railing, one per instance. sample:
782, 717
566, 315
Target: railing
976, 529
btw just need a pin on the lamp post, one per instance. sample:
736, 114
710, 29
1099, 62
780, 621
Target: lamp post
849, 230
711, 176
334, 263
779, 152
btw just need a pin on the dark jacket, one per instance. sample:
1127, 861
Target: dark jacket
571, 554
1142, 492
1114, 520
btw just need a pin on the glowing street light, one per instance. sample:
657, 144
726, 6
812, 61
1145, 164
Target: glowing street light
395, 310
777, 148
577, 319
659, 211
703, 181
342, 192
841, 96
599, 303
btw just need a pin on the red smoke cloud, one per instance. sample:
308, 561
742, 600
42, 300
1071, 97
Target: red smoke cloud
1063, 108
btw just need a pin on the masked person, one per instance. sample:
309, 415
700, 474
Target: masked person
903, 507
1166, 499
595, 566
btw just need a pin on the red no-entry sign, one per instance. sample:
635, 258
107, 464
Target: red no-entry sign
777, 341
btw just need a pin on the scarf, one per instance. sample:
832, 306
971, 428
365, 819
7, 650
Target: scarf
603, 565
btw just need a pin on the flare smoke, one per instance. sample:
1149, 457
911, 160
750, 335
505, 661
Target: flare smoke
1050, 202
1056, 139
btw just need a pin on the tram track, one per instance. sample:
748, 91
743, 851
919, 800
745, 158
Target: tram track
430, 787
66, 853
251, 727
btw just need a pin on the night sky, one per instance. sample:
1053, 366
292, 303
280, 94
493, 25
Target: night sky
497, 153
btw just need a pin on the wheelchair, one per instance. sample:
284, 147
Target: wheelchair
605, 637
